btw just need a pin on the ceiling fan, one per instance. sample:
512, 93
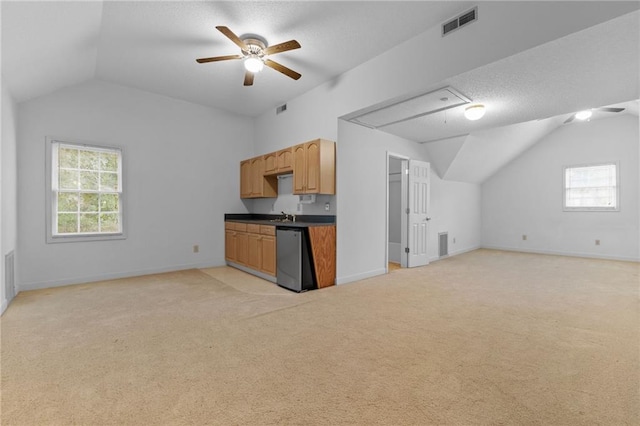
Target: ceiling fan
584, 115
254, 53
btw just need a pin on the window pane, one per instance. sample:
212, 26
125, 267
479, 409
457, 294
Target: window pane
67, 202
108, 181
68, 158
591, 187
67, 223
109, 222
89, 202
109, 202
68, 179
89, 222
89, 160
109, 161
89, 180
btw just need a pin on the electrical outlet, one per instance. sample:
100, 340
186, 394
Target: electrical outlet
196, 248
524, 237
327, 207
597, 242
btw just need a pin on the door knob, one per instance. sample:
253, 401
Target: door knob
428, 218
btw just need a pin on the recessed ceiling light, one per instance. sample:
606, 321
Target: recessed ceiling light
583, 115
474, 112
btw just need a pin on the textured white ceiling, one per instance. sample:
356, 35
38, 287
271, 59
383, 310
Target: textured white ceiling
152, 45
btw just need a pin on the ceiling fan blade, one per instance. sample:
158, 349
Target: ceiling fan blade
611, 109
281, 68
570, 119
234, 38
248, 78
218, 58
282, 47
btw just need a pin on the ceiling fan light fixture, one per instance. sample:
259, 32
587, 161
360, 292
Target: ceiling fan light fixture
474, 112
253, 64
583, 115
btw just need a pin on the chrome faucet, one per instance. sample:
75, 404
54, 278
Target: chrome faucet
286, 217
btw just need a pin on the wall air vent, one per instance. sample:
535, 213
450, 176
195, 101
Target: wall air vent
443, 244
282, 108
460, 21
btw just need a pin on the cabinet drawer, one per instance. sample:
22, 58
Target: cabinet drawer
267, 230
229, 225
242, 227
252, 228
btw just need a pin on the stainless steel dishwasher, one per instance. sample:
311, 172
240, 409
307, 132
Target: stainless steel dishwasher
292, 260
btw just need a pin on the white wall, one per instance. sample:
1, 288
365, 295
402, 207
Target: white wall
8, 186
362, 208
182, 174
525, 197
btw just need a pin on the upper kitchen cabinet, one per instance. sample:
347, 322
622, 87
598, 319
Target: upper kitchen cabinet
253, 181
245, 179
278, 163
314, 167
285, 160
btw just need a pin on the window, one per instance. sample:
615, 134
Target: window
84, 189
591, 188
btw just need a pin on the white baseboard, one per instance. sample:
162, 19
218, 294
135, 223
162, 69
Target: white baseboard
114, 276
361, 276
4, 306
564, 253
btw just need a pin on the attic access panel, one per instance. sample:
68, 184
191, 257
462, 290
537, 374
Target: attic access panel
408, 109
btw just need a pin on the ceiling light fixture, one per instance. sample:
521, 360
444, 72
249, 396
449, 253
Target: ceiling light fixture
474, 112
583, 115
253, 63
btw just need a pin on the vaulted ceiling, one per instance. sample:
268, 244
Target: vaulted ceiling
152, 45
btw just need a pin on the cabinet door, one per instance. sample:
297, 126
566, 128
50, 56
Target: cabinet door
285, 160
254, 258
257, 176
269, 255
230, 245
312, 153
241, 247
245, 179
270, 163
299, 169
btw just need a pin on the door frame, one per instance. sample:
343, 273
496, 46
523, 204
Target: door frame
404, 229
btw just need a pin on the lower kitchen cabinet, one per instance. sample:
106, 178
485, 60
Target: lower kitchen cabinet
253, 246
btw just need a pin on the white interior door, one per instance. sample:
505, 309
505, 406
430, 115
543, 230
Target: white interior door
418, 216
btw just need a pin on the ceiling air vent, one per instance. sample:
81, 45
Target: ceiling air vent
460, 21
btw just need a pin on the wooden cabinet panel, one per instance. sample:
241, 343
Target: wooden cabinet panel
245, 179
323, 247
299, 169
285, 160
270, 163
314, 167
268, 230
230, 245
242, 247
268, 247
254, 257
257, 174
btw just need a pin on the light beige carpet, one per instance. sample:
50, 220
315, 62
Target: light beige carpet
486, 337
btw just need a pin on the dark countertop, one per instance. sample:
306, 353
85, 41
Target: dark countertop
302, 221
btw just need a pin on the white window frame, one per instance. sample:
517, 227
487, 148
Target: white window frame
594, 208
51, 199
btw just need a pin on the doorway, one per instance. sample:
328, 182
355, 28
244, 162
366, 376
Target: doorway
408, 193
397, 190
